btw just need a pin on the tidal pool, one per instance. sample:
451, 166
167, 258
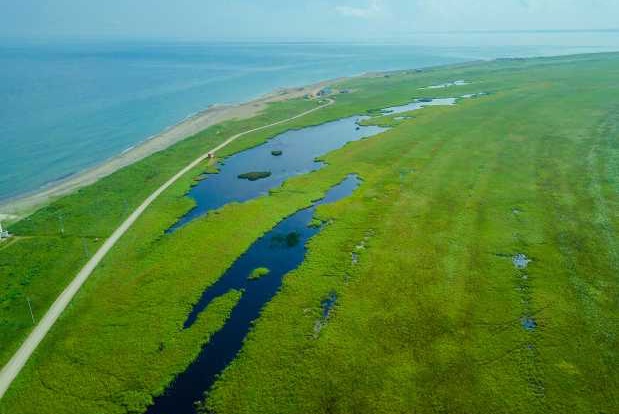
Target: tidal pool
447, 85
528, 323
418, 104
521, 261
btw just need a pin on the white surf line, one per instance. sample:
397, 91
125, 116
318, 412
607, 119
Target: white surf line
18, 360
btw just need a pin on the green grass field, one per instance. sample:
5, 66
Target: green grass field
432, 315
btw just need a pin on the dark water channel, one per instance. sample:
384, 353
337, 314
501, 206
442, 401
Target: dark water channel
280, 250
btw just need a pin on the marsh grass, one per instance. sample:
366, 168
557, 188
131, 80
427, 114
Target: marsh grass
429, 318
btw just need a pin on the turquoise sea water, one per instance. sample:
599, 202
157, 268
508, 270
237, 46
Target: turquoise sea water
66, 107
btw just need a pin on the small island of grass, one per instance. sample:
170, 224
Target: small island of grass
258, 273
277, 153
254, 175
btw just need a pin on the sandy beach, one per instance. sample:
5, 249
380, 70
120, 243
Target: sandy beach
25, 204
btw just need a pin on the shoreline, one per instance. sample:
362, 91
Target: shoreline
20, 206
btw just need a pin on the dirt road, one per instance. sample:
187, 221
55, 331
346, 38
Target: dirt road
18, 360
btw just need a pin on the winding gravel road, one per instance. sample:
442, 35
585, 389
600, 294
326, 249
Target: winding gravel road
18, 360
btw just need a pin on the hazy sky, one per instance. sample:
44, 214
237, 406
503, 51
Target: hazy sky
292, 20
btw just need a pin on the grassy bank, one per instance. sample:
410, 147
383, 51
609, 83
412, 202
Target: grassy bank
429, 313
52, 244
433, 317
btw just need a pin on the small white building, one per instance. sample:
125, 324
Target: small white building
4, 234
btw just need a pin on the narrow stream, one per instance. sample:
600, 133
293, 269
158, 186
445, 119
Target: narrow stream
419, 104
280, 250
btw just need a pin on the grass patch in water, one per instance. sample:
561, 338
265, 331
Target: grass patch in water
254, 175
258, 273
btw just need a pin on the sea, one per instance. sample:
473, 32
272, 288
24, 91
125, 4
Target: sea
67, 106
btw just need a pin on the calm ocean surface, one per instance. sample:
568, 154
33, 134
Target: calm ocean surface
65, 107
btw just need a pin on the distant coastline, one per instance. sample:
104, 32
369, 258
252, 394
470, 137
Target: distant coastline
118, 94
23, 204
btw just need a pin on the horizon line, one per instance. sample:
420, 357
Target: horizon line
393, 37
